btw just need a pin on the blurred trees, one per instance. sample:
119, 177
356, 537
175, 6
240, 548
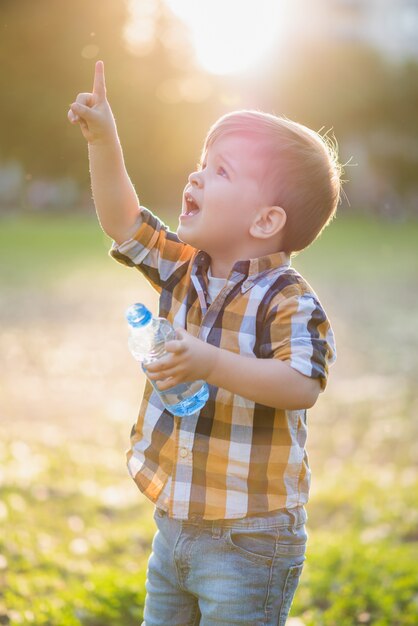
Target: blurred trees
371, 105
164, 104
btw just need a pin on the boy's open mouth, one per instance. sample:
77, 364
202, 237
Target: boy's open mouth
191, 205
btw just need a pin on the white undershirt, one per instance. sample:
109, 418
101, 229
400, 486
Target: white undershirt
215, 285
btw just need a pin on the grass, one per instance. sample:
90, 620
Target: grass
364, 249
351, 247
42, 247
76, 532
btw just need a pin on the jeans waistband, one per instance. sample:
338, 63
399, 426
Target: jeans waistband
282, 518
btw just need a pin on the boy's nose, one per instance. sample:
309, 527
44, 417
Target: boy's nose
195, 179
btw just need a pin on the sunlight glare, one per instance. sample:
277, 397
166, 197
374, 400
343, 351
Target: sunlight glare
230, 36
139, 32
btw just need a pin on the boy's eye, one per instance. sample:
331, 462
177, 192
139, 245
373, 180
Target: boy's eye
201, 166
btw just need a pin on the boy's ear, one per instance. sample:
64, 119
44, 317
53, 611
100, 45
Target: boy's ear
268, 222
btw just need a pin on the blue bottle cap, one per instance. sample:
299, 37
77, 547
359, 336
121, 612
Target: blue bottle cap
138, 315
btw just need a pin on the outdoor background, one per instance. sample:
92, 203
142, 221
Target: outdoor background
75, 531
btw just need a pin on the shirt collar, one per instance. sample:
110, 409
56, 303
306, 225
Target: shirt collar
249, 268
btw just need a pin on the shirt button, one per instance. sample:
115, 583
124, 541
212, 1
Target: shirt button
184, 452
247, 284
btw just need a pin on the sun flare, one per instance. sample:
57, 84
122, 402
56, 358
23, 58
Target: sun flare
230, 36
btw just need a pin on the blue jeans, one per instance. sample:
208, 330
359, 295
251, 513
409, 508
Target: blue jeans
225, 572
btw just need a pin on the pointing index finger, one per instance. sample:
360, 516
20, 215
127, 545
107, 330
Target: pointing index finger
99, 86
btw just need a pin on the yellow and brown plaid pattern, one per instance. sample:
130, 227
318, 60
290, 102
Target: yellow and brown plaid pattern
234, 457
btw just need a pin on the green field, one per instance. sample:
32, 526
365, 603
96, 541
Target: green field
76, 532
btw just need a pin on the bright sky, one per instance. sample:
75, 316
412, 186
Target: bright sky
230, 36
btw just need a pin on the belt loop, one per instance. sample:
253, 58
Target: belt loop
216, 530
295, 520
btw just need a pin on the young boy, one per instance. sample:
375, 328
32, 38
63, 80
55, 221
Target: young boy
229, 482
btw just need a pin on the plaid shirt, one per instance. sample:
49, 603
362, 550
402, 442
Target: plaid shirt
234, 457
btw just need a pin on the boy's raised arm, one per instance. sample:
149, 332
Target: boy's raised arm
115, 199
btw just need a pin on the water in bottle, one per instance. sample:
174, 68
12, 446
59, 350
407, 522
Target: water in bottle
147, 343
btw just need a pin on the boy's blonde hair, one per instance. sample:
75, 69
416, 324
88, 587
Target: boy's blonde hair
301, 173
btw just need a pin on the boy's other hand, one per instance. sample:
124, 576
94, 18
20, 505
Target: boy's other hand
189, 359
92, 111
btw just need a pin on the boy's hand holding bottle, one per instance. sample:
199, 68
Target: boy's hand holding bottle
176, 363
186, 358
189, 359
92, 111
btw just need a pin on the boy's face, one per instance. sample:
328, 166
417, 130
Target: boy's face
227, 193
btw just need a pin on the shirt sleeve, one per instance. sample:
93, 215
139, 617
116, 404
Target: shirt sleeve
154, 250
297, 330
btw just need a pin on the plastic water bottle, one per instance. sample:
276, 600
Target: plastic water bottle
147, 343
